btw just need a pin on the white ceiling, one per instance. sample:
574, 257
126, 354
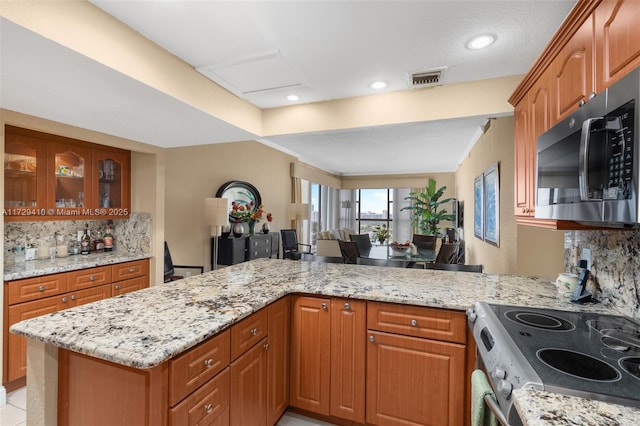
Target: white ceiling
322, 49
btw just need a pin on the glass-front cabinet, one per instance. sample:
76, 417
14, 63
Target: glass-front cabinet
49, 177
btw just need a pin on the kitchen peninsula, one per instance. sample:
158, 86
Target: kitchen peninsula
150, 329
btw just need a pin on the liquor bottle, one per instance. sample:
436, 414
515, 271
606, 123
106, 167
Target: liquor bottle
108, 238
85, 242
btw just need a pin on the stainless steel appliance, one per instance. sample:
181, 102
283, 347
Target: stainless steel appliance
590, 355
587, 165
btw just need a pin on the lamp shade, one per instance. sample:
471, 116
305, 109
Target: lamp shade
299, 211
216, 211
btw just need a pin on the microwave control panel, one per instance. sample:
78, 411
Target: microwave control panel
620, 126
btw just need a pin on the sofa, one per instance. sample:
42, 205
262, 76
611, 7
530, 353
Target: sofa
327, 241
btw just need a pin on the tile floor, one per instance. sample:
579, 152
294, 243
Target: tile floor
13, 414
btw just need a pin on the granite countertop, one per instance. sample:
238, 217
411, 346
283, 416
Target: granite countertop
147, 327
34, 268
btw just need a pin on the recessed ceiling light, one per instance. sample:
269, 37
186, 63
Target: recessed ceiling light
377, 85
481, 41
293, 98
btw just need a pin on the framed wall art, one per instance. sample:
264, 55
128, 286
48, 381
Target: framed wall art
478, 206
491, 183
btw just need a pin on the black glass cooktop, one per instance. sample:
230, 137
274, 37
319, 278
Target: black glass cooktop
582, 354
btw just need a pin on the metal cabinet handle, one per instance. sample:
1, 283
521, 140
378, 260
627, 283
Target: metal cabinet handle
208, 408
73, 297
347, 306
414, 323
92, 278
372, 339
41, 288
131, 270
266, 346
208, 363
117, 287
324, 306
64, 299
254, 331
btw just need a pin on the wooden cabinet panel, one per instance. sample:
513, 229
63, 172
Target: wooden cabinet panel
89, 295
573, 72
15, 360
68, 178
432, 323
310, 354
617, 40
127, 286
124, 271
111, 186
278, 359
522, 161
86, 278
248, 332
208, 405
348, 347
195, 367
412, 381
249, 387
27, 289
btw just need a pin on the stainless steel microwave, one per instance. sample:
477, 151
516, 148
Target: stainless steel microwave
587, 168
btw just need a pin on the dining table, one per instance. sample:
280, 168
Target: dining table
385, 251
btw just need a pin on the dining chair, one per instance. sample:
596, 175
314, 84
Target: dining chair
169, 267
448, 253
321, 259
424, 241
291, 246
453, 267
350, 252
363, 241
382, 262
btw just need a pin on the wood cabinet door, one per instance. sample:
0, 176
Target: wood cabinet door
573, 72
278, 359
126, 286
348, 348
310, 354
69, 179
15, 363
25, 175
617, 40
111, 182
89, 295
249, 387
413, 381
522, 162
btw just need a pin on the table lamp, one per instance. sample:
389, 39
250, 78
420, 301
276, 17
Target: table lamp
216, 214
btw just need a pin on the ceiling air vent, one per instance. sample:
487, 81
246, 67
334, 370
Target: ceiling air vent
427, 78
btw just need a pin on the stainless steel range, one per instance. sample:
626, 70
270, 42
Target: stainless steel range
575, 353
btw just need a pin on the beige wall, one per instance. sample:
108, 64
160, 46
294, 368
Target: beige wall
522, 250
195, 173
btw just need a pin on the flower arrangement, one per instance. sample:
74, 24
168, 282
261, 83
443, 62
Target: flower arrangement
381, 233
248, 212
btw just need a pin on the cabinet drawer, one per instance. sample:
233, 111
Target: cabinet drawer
209, 405
248, 332
124, 271
193, 368
89, 295
430, 323
36, 288
126, 286
258, 246
86, 278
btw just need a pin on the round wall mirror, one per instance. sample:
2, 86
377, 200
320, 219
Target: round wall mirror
240, 192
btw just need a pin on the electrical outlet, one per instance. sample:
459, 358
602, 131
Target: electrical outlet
586, 255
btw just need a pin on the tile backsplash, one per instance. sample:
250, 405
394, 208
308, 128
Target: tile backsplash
615, 265
132, 235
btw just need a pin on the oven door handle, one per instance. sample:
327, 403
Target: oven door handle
491, 402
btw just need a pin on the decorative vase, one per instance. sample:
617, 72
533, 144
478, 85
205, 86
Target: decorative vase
252, 227
238, 230
226, 231
266, 228
381, 240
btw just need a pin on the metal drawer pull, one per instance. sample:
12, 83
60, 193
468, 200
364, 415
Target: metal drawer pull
347, 306
92, 278
254, 331
324, 306
131, 270
73, 297
41, 288
117, 287
372, 339
266, 346
414, 323
208, 363
208, 408
64, 299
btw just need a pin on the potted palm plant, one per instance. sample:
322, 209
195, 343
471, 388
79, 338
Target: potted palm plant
426, 208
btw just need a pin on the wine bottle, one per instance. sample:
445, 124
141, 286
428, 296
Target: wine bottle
108, 239
85, 242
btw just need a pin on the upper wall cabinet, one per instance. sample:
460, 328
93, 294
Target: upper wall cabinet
49, 177
617, 35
